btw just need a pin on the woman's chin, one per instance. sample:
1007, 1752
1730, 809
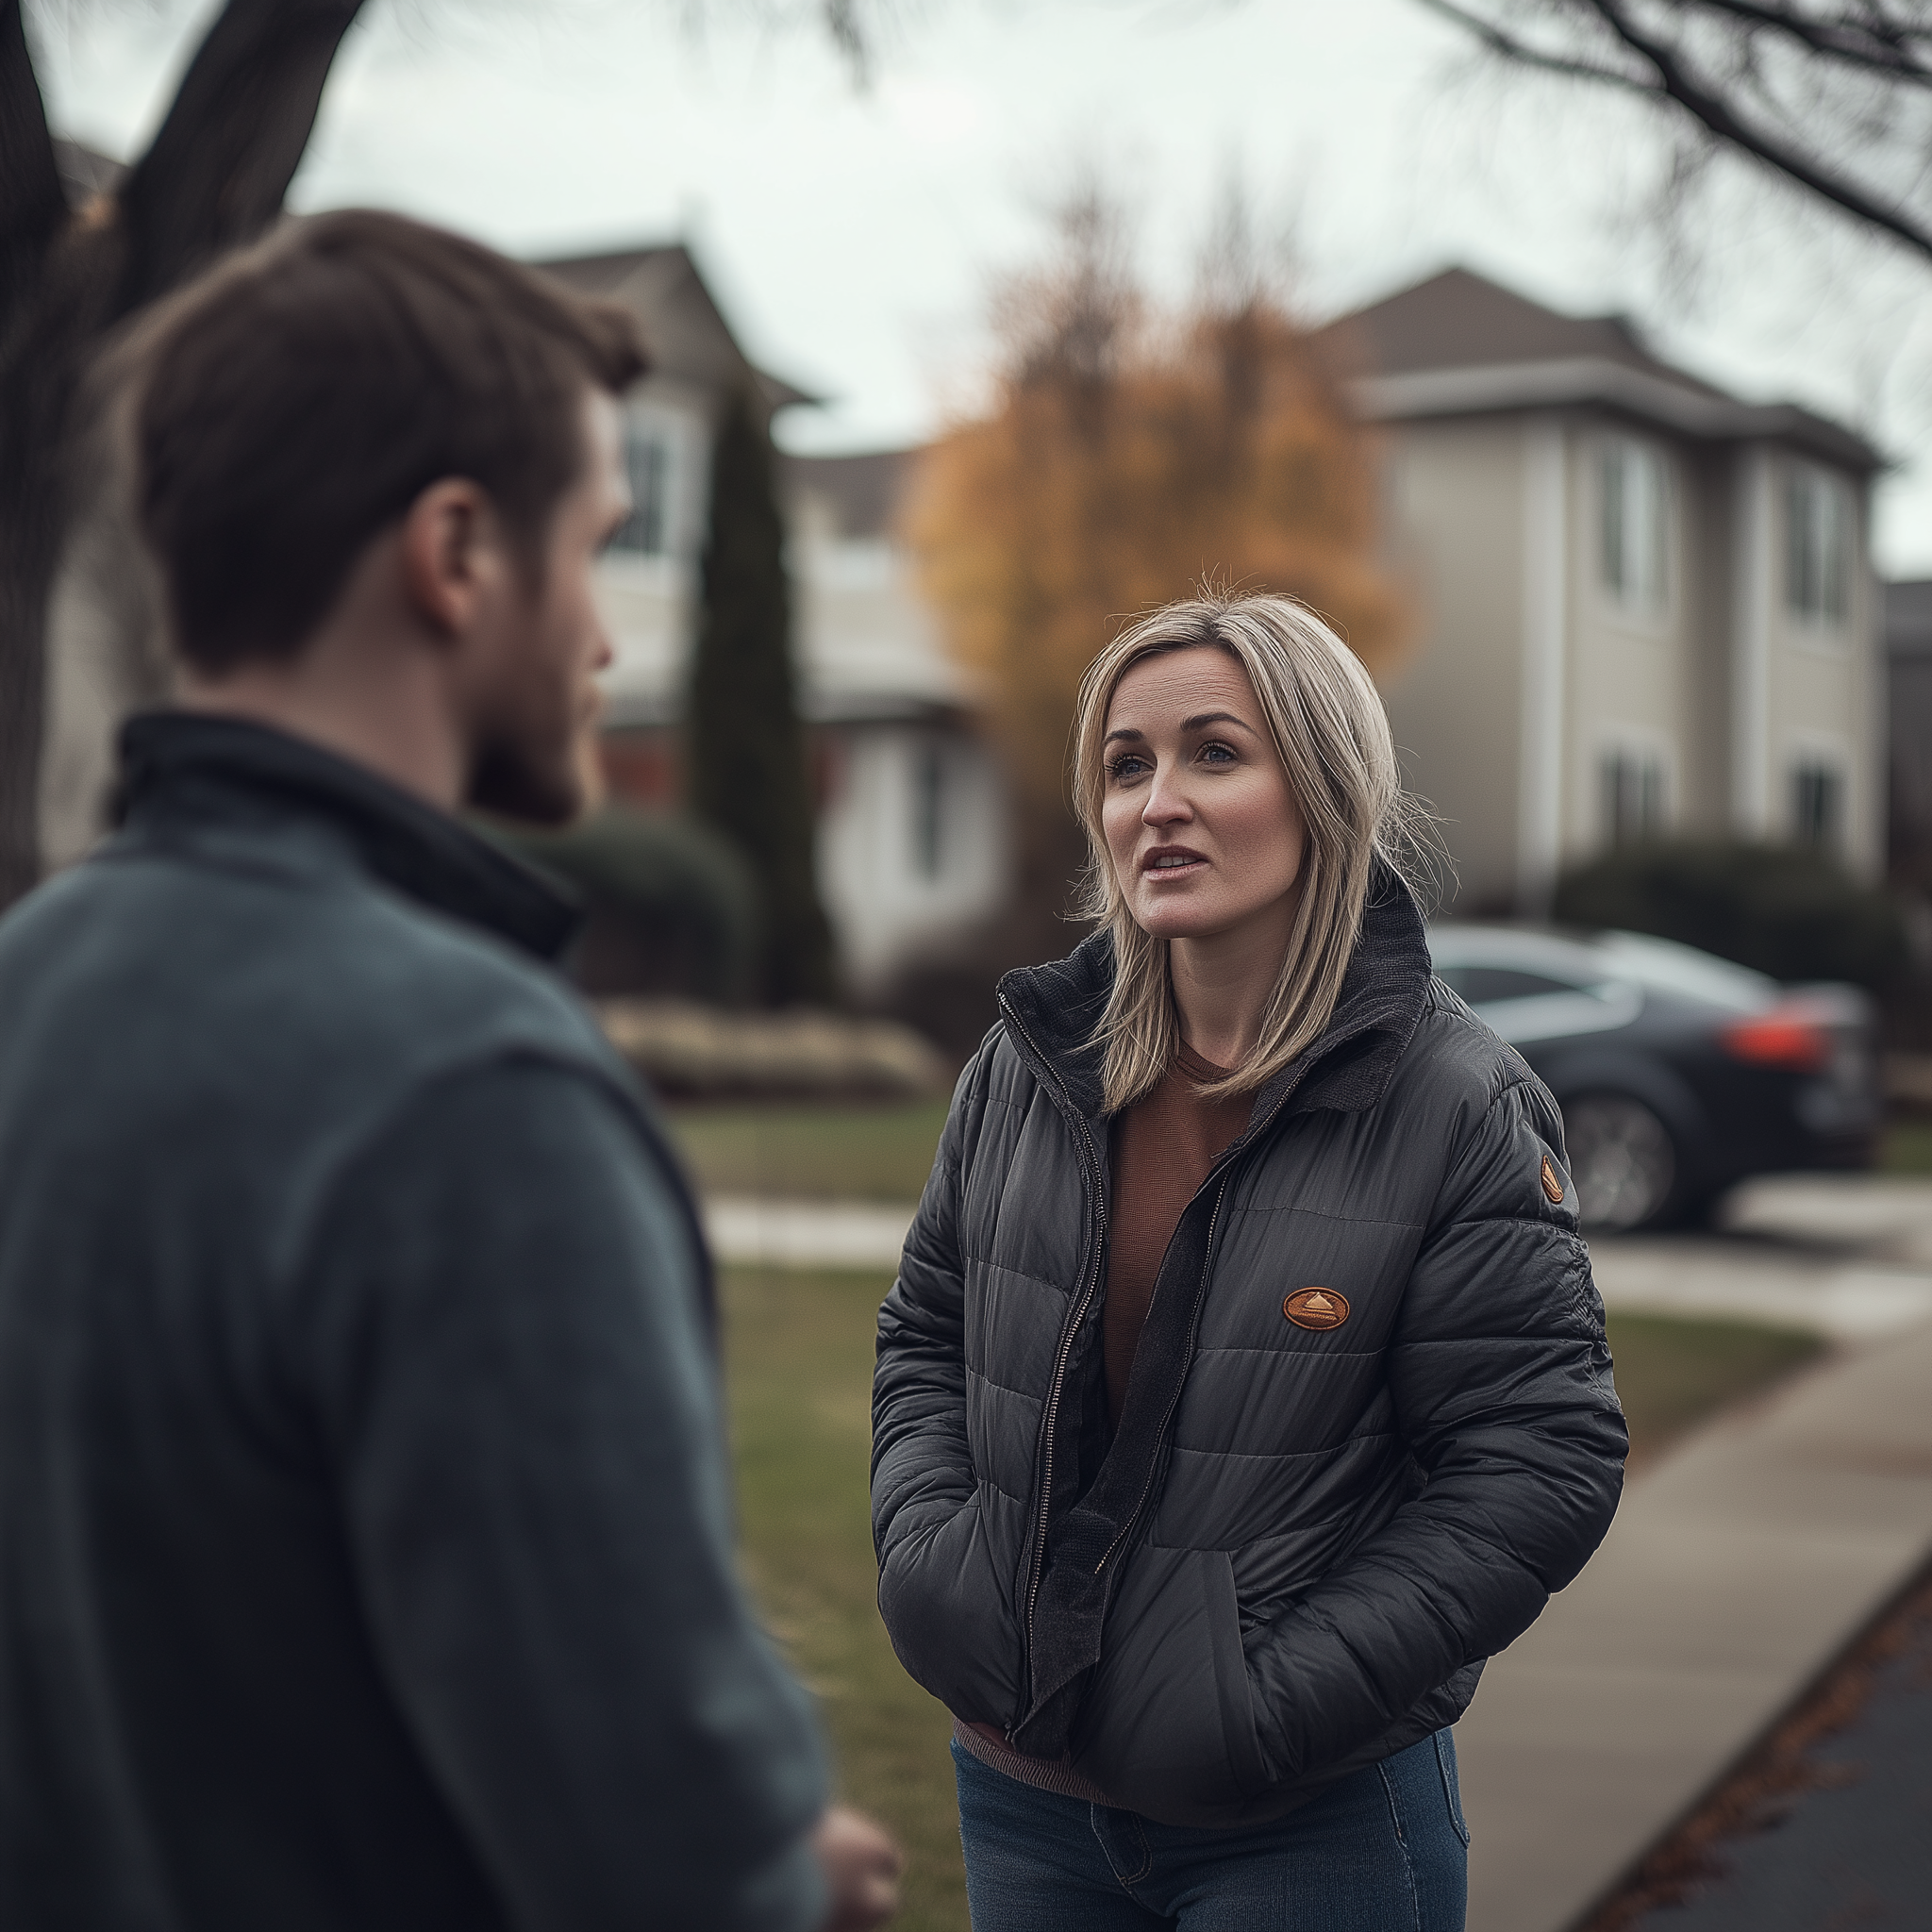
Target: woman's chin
1181, 920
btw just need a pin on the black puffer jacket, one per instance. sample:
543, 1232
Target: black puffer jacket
1293, 1557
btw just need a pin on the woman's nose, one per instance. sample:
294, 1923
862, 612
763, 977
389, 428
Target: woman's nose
1166, 802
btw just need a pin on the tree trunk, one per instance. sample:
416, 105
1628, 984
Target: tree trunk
214, 178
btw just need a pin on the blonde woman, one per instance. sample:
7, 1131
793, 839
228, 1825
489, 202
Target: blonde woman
1243, 1386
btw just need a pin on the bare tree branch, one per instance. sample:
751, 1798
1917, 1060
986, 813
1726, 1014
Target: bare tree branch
1731, 69
32, 203
1521, 53
1867, 39
849, 36
1715, 113
217, 170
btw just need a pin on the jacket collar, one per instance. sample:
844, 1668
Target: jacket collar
182, 769
1384, 991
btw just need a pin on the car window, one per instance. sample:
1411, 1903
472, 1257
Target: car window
1480, 984
1667, 967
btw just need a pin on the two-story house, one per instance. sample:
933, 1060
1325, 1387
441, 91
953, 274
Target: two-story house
911, 844
1648, 607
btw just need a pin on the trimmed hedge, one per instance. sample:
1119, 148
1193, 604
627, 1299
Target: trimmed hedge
673, 905
1788, 912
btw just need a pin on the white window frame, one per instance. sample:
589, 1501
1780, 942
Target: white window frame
1817, 752
930, 812
683, 478
1805, 564
1621, 463
1652, 749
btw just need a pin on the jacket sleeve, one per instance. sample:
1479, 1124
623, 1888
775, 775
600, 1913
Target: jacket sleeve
504, 1343
1501, 1380
922, 1464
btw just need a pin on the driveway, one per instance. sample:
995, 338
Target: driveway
1846, 1255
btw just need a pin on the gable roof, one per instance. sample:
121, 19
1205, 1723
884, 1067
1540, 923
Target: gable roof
862, 492
1461, 320
1461, 345
685, 330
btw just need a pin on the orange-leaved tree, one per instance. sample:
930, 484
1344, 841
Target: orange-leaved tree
1123, 458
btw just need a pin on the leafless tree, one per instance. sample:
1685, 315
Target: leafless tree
213, 177
76, 262
1833, 97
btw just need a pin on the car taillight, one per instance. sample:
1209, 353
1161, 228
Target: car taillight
1786, 1036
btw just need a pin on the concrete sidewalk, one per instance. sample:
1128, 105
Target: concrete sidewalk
1847, 1256
1735, 1572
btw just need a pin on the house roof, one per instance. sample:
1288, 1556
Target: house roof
862, 492
684, 329
1461, 344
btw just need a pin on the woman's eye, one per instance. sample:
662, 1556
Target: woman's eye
1217, 755
1128, 765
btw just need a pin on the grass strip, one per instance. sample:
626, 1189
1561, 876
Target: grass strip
858, 1153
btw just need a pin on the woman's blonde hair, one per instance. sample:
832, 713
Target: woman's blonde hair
1332, 737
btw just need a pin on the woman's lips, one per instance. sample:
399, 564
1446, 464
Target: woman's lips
1169, 862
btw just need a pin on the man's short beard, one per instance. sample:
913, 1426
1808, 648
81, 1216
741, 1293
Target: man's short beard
506, 780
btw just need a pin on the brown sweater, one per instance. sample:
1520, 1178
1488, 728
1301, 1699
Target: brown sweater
1162, 1148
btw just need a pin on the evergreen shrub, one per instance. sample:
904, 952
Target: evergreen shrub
673, 907
1787, 910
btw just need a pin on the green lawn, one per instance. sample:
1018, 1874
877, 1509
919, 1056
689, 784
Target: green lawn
1672, 1374
799, 1352
858, 1153
1906, 1147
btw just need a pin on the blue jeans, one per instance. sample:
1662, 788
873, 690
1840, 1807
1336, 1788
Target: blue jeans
1385, 1850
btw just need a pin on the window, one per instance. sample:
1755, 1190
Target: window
929, 810
647, 464
1634, 494
1818, 544
1633, 797
1480, 985
1817, 804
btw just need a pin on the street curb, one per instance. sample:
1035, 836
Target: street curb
1736, 1573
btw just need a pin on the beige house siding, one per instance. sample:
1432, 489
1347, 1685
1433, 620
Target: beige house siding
1823, 700
1506, 732
1454, 493
1707, 526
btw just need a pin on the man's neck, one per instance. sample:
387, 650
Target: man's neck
394, 722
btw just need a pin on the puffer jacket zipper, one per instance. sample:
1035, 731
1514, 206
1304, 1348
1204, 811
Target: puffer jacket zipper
1220, 1175
1090, 1284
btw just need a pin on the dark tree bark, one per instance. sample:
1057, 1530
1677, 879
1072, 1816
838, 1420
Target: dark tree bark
213, 178
1835, 99
746, 750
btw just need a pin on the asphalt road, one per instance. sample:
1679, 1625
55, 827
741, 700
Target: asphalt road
1828, 1828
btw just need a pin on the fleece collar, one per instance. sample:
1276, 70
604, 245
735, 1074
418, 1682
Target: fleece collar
188, 768
1057, 1008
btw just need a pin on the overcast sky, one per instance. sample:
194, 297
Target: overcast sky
850, 233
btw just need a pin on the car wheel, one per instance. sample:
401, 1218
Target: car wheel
1622, 1158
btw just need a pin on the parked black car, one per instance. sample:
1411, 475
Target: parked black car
1677, 1073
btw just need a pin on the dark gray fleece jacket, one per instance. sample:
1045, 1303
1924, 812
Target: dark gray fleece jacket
365, 1555
1292, 1556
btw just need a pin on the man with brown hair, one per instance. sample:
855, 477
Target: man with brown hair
364, 1542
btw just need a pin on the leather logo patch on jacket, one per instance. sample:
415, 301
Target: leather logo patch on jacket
1553, 1182
1316, 1307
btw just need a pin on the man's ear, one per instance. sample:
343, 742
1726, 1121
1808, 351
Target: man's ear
451, 554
